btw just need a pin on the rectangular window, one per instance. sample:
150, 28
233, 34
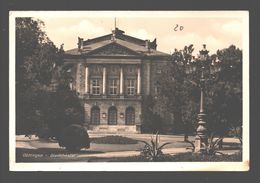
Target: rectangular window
131, 86
95, 83
113, 85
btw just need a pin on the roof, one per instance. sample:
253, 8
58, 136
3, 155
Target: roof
130, 45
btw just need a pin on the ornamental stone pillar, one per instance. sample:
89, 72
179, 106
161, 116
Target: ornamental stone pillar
86, 80
138, 81
104, 80
121, 81
78, 76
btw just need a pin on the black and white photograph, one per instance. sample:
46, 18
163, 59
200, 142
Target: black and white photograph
129, 91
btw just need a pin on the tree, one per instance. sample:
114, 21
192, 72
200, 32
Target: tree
152, 120
181, 94
40, 65
35, 55
29, 35
223, 98
59, 109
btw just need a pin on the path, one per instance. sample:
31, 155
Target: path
44, 151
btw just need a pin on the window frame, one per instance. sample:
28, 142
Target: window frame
131, 87
95, 89
96, 116
130, 114
113, 86
114, 115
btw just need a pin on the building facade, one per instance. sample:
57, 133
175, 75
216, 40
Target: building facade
111, 75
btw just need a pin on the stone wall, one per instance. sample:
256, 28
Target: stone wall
150, 72
146, 77
80, 78
157, 68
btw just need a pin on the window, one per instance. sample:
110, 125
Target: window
130, 116
131, 86
112, 116
95, 86
113, 85
95, 116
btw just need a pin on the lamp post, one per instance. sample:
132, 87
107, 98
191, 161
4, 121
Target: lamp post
205, 64
201, 138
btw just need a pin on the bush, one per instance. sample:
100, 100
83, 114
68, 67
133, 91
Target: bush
60, 109
44, 133
74, 138
153, 151
113, 139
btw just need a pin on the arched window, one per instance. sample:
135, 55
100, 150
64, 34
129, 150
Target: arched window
112, 116
130, 116
95, 115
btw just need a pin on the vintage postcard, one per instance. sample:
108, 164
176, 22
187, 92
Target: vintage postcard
129, 91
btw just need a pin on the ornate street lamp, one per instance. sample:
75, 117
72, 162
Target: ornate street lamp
203, 63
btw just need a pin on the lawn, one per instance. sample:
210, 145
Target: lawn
182, 157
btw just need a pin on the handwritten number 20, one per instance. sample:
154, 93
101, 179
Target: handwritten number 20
177, 27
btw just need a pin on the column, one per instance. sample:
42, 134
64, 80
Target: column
121, 81
148, 67
138, 81
78, 78
104, 80
86, 80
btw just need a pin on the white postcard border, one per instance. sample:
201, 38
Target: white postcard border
148, 166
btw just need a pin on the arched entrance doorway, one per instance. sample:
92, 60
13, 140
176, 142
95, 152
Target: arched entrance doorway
130, 116
112, 116
95, 115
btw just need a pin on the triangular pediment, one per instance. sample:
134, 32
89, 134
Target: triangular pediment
113, 49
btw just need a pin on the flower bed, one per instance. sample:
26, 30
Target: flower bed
113, 139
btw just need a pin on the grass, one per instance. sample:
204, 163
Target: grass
184, 157
113, 139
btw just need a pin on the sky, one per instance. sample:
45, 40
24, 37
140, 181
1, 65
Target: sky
217, 30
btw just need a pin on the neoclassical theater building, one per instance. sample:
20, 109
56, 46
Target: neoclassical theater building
111, 74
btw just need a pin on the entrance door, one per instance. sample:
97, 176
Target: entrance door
112, 116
